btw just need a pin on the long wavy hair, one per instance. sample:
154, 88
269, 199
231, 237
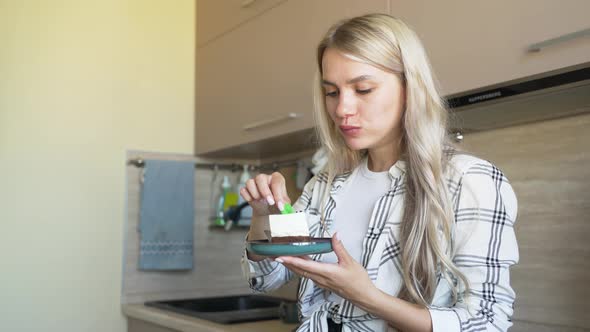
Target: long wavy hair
389, 44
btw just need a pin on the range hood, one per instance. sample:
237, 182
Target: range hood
550, 95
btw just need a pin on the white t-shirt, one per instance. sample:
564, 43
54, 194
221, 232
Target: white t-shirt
354, 205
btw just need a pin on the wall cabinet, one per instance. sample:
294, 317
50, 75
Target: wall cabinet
215, 18
255, 65
472, 44
263, 71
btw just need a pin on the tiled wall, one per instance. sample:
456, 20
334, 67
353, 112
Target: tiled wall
217, 253
548, 165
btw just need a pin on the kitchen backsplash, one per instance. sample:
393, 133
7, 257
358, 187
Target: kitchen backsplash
547, 165
217, 253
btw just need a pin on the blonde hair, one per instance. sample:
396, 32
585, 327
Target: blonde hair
389, 44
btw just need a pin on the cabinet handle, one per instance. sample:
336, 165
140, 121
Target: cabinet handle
538, 46
262, 123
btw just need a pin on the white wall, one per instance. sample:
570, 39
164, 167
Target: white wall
80, 83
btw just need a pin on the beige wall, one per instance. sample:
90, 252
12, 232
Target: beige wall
80, 83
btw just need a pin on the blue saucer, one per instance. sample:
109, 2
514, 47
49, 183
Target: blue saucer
315, 246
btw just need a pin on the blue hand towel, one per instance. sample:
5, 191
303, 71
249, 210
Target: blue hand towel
167, 215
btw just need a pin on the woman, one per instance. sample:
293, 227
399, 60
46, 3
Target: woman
423, 235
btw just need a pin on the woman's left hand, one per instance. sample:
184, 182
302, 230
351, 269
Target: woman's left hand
347, 278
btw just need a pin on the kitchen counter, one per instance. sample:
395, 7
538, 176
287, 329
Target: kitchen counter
186, 323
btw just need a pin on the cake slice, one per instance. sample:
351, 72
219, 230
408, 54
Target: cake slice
287, 228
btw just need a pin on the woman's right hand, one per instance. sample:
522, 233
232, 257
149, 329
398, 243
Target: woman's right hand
266, 194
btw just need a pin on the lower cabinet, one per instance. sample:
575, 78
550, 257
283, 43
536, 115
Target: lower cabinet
136, 325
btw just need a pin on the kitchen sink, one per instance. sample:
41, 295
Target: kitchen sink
225, 310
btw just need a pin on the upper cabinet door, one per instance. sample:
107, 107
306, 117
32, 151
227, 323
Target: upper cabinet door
217, 17
251, 80
472, 44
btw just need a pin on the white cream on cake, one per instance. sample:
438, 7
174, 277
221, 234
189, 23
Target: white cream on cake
286, 225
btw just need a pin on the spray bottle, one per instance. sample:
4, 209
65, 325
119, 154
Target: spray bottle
225, 199
246, 215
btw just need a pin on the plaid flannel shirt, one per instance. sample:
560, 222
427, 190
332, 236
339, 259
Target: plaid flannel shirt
483, 248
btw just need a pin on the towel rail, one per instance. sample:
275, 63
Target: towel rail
234, 167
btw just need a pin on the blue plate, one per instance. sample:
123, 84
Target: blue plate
315, 246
